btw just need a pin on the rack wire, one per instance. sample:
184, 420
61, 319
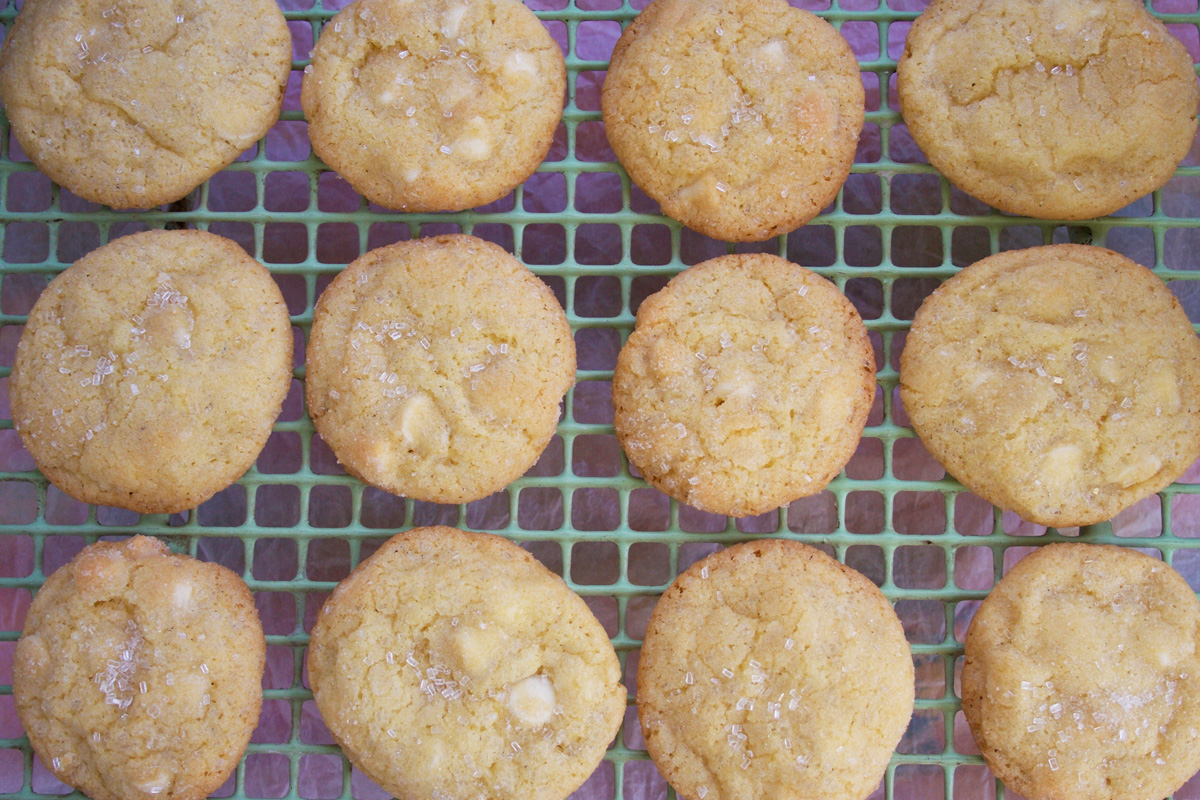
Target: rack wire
295, 524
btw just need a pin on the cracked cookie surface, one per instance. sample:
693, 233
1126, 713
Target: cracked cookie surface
771, 670
1080, 676
138, 674
150, 371
437, 105
745, 385
740, 117
134, 103
436, 368
1057, 109
1060, 382
453, 665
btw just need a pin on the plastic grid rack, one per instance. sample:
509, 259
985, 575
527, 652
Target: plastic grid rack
895, 232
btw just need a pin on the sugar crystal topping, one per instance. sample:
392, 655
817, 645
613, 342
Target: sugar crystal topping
116, 680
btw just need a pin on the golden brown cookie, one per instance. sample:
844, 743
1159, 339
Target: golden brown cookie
740, 117
1080, 679
454, 665
1061, 382
437, 105
745, 385
436, 368
1058, 109
771, 670
151, 371
138, 675
134, 104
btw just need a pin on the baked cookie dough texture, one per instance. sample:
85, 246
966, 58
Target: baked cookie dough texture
135, 103
740, 117
150, 371
138, 675
1060, 382
453, 665
1080, 676
434, 105
436, 368
1057, 109
771, 670
745, 385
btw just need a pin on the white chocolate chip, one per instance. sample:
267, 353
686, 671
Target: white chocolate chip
473, 148
476, 649
1164, 388
1062, 465
981, 376
381, 457
172, 323
744, 391
191, 689
422, 427
701, 193
735, 384
1138, 471
452, 21
36, 651
475, 142
412, 173
455, 91
772, 54
519, 68
1108, 369
182, 595
532, 700
154, 787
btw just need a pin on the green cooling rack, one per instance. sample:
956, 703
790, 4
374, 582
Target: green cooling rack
295, 524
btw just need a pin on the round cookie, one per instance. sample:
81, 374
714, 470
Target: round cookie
771, 670
135, 104
151, 371
436, 368
1063, 109
1080, 676
454, 665
745, 385
439, 105
740, 117
1061, 382
139, 672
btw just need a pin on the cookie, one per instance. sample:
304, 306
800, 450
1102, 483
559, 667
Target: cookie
135, 104
1080, 678
771, 670
439, 105
740, 117
1057, 109
150, 371
139, 672
454, 665
436, 368
1061, 382
745, 385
